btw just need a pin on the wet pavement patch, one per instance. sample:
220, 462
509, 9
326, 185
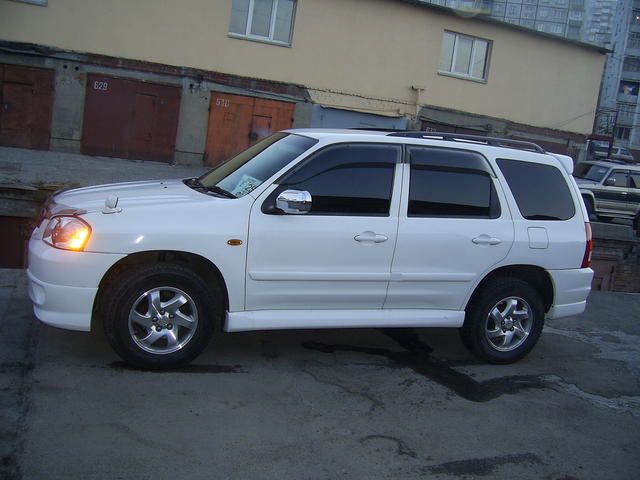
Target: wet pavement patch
191, 368
417, 356
481, 466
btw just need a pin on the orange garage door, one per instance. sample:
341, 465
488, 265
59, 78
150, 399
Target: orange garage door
236, 122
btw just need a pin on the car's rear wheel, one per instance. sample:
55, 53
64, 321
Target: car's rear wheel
504, 322
160, 316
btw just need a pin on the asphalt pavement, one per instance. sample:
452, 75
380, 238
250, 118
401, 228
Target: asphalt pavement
348, 404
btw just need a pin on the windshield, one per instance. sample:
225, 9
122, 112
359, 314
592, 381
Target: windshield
249, 169
589, 171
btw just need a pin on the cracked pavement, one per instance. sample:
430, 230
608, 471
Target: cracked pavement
347, 404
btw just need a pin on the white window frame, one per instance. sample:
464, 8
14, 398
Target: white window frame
467, 76
259, 38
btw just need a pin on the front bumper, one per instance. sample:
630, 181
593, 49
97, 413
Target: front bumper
63, 284
570, 291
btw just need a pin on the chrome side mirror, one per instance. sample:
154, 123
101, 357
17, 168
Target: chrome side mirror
294, 202
610, 182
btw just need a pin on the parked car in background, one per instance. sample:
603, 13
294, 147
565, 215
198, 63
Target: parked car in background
322, 229
600, 151
610, 189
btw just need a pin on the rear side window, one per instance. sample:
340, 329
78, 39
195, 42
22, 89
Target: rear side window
450, 183
541, 191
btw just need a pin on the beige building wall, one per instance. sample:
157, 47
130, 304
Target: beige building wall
371, 48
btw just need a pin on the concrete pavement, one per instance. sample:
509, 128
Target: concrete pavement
39, 168
347, 404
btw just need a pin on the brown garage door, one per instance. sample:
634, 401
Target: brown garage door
130, 119
26, 100
237, 122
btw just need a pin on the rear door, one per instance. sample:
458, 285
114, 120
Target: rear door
454, 224
611, 197
633, 198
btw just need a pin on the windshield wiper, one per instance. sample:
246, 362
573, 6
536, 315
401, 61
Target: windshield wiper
220, 191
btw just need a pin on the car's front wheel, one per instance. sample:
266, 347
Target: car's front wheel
160, 316
504, 322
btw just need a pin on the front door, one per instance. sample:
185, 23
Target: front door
338, 255
452, 228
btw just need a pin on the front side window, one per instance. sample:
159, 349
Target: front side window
541, 192
353, 179
464, 56
266, 20
450, 183
620, 178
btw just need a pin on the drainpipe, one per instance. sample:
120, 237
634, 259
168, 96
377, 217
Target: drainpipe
418, 89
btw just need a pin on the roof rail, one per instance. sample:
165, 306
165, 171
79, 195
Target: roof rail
380, 129
454, 137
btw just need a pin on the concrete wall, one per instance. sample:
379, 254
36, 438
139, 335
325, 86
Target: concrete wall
69, 97
375, 49
334, 118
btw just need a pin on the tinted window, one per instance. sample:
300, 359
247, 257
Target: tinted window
620, 177
450, 183
635, 180
589, 171
352, 179
541, 191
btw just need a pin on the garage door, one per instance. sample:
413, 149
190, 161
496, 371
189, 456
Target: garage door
13, 241
26, 100
236, 122
130, 119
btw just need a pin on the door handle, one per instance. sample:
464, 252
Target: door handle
370, 237
486, 240
625, 193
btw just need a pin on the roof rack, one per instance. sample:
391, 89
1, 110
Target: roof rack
454, 137
379, 129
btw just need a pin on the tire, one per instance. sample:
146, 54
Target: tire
488, 340
160, 316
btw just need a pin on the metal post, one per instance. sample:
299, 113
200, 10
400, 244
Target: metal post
613, 134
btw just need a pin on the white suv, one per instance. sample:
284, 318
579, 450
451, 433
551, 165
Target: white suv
322, 229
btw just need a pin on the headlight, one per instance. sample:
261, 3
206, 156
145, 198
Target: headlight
68, 233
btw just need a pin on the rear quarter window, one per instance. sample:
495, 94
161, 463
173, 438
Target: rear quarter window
541, 191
